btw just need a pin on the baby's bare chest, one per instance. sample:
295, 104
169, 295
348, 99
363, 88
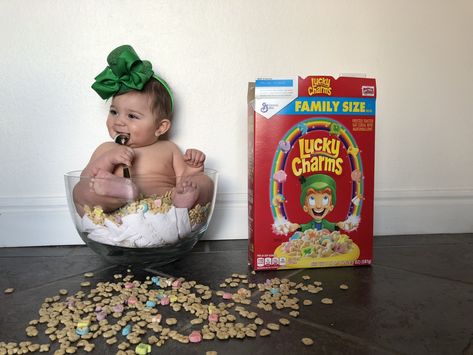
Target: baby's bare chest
152, 162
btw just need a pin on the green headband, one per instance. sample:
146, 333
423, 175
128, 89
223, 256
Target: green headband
126, 72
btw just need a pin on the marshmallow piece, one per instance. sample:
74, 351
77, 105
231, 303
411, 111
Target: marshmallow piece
213, 317
195, 337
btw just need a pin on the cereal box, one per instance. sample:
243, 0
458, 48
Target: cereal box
311, 171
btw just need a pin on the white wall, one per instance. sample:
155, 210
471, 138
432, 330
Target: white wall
420, 52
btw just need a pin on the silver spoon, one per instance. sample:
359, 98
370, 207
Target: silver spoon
122, 139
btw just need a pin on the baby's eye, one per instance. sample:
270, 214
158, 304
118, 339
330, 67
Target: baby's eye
311, 201
325, 201
113, 112
132, 116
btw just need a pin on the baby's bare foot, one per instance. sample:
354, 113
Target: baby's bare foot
185, 194
107, 184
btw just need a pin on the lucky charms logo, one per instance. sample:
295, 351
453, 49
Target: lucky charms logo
318, 143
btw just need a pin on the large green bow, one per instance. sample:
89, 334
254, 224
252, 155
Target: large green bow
125, 72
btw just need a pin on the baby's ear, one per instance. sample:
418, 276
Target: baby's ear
163, 126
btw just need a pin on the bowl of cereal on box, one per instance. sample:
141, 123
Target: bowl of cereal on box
141, 219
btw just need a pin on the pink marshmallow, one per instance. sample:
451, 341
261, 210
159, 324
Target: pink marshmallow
118, 308
176, 284
280, 176
195, 337
227, 296
213, 317
101, 316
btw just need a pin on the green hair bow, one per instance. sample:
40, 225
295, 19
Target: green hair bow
126, 72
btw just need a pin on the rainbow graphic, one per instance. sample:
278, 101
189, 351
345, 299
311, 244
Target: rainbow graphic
276, 194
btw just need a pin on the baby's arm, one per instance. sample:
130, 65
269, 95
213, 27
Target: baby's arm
99, 186
107, 157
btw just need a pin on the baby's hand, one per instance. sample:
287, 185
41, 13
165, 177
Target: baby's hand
118, 155
194, 158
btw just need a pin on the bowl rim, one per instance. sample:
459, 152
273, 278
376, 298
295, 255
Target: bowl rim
77, 174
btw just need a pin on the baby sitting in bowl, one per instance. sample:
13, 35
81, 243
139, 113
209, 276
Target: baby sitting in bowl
140, 114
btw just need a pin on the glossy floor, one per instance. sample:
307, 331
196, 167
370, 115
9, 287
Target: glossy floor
416, 298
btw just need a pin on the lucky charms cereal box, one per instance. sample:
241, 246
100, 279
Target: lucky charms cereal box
311, 171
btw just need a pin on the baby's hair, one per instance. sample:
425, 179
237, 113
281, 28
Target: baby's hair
161, 104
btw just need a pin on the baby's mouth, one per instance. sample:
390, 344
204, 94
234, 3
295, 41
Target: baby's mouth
122, 138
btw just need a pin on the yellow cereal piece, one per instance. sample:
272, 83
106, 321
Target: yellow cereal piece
264, 332
307, 341
173, 298
83, 323
326, 301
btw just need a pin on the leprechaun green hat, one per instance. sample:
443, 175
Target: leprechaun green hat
126, 72
318, 182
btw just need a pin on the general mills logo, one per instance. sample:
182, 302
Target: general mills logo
264, 107
367, 90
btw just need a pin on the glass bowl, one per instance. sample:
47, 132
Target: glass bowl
149, 228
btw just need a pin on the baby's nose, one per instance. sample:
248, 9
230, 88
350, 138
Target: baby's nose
121, 120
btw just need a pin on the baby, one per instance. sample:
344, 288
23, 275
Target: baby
140, 114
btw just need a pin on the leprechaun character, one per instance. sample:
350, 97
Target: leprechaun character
318, 199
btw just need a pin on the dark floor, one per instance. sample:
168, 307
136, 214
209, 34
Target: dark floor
416, 298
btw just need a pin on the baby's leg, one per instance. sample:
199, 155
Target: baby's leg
205, 186
185, 194
196, 189
107, 184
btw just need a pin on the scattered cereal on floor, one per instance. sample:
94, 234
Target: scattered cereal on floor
195, 337
343, 287
89, 274
307, 341
9, 290
142, 349
284, 321
326, 301
264, 332
171, 321
122, 312
273, 326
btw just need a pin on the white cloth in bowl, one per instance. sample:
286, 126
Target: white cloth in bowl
141, 229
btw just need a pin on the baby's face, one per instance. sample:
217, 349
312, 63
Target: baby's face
130, 114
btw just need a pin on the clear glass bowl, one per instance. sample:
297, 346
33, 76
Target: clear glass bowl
146, 229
